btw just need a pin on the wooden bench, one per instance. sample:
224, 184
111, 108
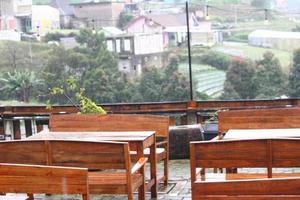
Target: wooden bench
259, 153
259, 119
120, 122
39, 179
101, 158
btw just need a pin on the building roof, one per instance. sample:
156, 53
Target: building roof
168, 20
111, 31
41, 2
75, 2
275, 34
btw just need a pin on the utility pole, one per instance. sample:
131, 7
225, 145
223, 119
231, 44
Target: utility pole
189, 49
235, 16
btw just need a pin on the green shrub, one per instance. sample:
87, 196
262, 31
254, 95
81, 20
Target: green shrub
217, 60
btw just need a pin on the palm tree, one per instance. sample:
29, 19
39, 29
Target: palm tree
19, 84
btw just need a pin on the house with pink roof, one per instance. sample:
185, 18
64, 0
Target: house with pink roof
172, 26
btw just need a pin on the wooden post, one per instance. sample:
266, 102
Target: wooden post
183, 120
40, 123
28, 127
2, 131
16, 129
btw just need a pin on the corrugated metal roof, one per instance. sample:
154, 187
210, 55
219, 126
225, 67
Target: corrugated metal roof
275, 34
41, 2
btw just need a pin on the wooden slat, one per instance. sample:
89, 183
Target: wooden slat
276, 186
42, 179
231, 154
96, 155
23, 152
111, 122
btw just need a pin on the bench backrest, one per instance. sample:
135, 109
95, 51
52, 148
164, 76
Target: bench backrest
259, 119
266, 153
23, 152
93, 155
42, 179
110, 122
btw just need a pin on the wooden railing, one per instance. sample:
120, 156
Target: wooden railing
22, 121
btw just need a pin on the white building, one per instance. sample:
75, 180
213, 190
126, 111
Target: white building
44, 18
275, 39
137, 51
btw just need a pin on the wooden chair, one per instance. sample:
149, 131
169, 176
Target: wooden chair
32, 179
98, 157
120, 122
259, 119
255, 153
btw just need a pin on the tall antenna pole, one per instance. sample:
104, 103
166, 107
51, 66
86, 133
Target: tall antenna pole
189, 49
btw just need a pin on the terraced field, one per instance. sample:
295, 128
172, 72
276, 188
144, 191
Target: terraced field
208, 80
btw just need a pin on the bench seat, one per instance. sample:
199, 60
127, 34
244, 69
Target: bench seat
111, 183
160, 153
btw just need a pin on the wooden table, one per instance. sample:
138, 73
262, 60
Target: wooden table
262, 133
137, 140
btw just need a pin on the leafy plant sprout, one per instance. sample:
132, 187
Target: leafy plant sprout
85, 105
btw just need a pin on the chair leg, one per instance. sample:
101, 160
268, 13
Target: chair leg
30, 197
85, 197
130, 195
166, 171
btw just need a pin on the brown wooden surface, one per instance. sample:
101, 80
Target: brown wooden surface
162, 107
138, 141
255, 153
35, 179
119, 122
110, 122
259, 119
88, 154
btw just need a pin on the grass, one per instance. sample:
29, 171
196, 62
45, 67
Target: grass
256, 53
273, 24
207, 79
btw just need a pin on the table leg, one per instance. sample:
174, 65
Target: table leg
140, 153
153, 166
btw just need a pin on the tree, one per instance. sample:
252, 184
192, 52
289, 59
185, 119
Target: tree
163, 85
124, 19
261, 3
14, 55
217, 60
269, 78
19, 84
239, 81
92, 64
294, 76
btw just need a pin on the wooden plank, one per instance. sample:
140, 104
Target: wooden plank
112, 122
42, 179
276, 186
223, 154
